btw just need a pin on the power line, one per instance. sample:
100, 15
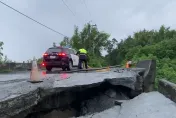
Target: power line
32, 19
87, 7
68, 8
88, 10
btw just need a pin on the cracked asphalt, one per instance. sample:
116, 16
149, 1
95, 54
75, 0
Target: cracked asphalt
146, 105
14, 76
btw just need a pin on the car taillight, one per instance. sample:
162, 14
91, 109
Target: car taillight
43, 64
62, 54
45, 54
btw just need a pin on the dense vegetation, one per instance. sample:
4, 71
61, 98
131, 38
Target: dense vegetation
145, 44
93, 40
3, 60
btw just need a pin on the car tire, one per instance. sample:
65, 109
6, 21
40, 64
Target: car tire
70, 66
64, 68
48, 68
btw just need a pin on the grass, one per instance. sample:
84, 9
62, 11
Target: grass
5, 71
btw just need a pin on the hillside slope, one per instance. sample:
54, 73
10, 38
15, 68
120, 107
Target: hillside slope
159, 45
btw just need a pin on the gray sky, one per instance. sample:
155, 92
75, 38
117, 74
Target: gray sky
24, 39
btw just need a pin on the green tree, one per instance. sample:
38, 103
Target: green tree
149, 44
90, 38
1, 54
40, 60
6, 60
65, 42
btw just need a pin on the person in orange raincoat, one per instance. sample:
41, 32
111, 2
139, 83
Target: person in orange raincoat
128, 64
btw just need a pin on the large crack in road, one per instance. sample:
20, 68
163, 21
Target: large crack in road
99, 102
83, 95
74, 103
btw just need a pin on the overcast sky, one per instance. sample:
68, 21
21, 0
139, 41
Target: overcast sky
24, 39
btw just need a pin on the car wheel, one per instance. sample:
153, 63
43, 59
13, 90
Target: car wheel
70, 65
64, 68
48, 68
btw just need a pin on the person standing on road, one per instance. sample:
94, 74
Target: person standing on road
128, 64
82, 58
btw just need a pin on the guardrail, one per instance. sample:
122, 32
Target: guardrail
17, 66
168, 89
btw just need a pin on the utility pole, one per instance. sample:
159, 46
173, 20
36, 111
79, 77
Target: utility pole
54, 44
89, 34
93, 50
94, 45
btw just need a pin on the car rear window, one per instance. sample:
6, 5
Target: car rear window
54, 50
65, 50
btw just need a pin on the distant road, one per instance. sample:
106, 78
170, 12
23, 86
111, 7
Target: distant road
23, 76
16, 75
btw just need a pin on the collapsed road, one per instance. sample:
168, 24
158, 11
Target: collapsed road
87, 95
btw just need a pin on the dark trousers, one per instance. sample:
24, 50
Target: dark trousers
82, 58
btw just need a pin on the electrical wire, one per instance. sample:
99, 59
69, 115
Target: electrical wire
32, 19
84, 1
87, 7
68, 8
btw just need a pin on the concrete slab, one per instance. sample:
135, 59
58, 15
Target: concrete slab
146, 105
168, 89
127, 78
22, 95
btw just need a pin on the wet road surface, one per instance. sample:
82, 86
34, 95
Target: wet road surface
15, 79
24, 75
13, 76
146, 105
